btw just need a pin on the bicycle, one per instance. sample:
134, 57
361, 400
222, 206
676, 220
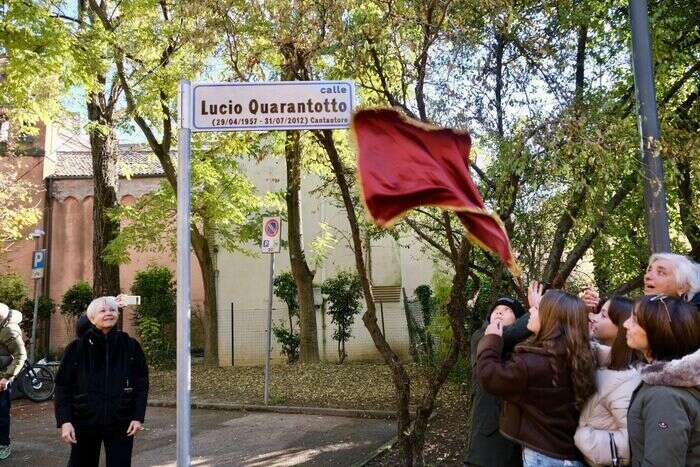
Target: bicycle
36, 382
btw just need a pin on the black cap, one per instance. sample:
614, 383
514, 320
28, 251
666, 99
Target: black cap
515, 305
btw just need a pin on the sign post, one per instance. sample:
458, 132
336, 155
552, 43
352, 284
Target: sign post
271, 234
654, 190
266, 106
184, 278
38, 266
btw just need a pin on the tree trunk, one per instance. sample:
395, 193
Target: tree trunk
204, 252
303, 275
103, 146
399, 376
456, 311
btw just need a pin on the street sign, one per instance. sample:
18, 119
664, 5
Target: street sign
38, 264
271, 233
283, 105
277, 105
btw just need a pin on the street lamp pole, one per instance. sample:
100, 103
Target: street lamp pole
654, 190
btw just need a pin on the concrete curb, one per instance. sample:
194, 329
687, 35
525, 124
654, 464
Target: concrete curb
350, 413
377, 452
386, 446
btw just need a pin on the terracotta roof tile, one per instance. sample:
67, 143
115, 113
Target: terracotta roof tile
133, 160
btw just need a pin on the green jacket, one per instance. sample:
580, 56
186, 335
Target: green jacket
664, 417
12, 345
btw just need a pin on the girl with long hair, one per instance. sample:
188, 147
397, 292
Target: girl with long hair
602, 432
546, 381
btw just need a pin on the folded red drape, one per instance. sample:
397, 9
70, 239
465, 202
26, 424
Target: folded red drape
404, 164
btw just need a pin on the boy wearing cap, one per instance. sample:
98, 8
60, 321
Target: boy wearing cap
487, 446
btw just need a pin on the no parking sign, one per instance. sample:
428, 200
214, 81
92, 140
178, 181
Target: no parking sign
271, 233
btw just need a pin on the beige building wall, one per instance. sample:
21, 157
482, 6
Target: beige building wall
243, 281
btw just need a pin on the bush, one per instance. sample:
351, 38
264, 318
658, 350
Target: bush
286, 289
156, 313
441, 330
76, 299
46, 308
428, 304
12, 290
289, 340
344, 292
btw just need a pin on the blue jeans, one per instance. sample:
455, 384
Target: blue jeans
535, 459
5, 398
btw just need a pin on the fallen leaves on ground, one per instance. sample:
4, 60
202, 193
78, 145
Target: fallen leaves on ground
348, 386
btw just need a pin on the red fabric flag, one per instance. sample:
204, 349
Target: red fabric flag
404, 164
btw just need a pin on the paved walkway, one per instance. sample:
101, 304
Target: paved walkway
220, 438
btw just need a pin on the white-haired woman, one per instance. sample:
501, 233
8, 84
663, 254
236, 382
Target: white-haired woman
674, 276
101, 390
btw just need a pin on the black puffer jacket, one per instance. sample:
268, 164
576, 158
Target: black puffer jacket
102, 381
487, 446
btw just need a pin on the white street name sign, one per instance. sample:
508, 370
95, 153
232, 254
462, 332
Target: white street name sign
275, 105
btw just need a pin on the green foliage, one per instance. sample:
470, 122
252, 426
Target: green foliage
18, 211
76, 299
427, 302
159, 349
344, 292
156, 313
12, 290
442, 288
46, 308
440, 331
285, 288
289, 340
428, 305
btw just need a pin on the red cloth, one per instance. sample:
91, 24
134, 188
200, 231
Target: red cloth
404, 164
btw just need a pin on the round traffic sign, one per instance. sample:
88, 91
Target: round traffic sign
272, 227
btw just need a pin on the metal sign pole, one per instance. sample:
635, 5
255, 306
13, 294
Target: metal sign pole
654, 191
38, 266
32, 349
268, 349
183, 438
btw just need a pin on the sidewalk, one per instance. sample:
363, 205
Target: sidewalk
219, 438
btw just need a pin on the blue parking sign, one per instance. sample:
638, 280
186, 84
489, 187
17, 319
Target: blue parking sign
38, 263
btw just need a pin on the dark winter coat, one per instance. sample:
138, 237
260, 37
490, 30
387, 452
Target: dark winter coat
664, 416
102, 381
487, 447
696, 300
539, 406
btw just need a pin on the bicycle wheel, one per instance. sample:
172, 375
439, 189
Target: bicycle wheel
37, 383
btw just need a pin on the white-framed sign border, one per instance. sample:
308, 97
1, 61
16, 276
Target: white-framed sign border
192, 115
